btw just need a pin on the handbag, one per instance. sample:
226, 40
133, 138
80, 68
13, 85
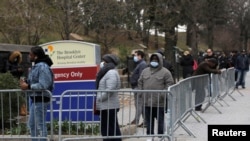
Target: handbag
96, 112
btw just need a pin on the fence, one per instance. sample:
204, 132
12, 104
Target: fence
13, 121
177, 104
125, 115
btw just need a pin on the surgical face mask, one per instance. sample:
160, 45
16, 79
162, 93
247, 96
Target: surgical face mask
101, 64
154, 64
135, 59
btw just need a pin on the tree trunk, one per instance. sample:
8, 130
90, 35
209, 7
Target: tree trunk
170, 44
188, 35
86, 30
245, 39
210, 34
156, 39
192, 39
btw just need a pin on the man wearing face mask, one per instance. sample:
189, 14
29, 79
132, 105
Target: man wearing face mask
155, 77
140, 65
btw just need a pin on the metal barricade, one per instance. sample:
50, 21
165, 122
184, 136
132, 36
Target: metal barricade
231, 83
14, 114
88, 126
77, 120
215, 92
223, 87
188, 93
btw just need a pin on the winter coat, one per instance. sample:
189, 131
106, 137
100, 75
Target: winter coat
242, 63
108, 100
158, 78
41, 77
204, 68
187, 63
137, 72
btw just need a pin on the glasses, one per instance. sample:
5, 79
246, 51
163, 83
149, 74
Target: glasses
209, 52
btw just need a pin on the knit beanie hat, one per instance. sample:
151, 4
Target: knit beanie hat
111, 58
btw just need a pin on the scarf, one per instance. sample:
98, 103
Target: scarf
103, 71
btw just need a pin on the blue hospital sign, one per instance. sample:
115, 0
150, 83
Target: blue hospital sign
75, 65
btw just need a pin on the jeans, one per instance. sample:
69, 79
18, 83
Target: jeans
241, 78
37, 120
150, 114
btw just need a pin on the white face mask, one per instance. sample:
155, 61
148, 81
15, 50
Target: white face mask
154, 64
135, 59
101, 64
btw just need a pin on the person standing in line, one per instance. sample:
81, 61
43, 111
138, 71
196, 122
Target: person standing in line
155, 77
40, 77
232, 61
187, 63
206, 67
209, 55
108, 102
200, 57
12, 64
140, 66
223, 61
242, 67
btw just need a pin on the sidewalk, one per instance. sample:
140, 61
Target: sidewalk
236, 113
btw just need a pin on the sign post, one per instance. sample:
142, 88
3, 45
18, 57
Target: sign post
75, 66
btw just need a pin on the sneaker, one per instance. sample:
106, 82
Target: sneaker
243, 87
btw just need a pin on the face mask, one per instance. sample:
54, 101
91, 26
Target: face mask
154, 64
101, 64
135, 59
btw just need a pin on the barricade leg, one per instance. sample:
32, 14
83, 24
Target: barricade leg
208, 105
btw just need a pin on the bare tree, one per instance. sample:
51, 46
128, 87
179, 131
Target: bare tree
107, 22
21, 21
240, 17
67, 17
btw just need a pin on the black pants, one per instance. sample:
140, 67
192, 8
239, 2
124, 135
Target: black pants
152, 113
109, 124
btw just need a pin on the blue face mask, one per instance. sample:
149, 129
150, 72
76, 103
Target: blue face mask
154, 64
135, 59
101, 64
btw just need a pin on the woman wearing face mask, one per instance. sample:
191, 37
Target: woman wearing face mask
108, 102
155, 77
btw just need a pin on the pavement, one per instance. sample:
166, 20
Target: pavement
232, 112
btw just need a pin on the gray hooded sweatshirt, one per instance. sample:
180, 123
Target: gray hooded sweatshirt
158, 78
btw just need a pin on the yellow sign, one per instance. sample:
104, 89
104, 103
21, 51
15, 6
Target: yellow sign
72, 53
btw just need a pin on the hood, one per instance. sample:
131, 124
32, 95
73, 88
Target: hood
160, 60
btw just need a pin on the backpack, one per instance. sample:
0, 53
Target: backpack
195, 66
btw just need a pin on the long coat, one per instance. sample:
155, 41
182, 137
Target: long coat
108, 100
